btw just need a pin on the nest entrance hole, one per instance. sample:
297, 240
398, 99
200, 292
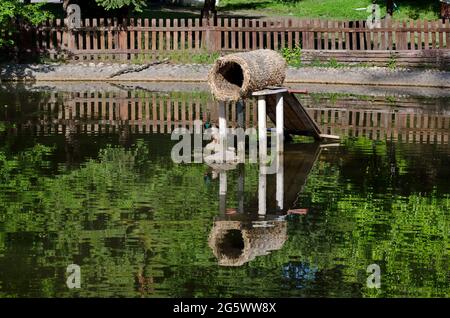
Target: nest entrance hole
232, 244
232, 77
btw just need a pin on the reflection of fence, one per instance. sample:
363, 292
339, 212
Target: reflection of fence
414, 42
404, 126
151, 112
142, 113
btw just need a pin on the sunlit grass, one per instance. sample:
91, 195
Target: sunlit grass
331, 9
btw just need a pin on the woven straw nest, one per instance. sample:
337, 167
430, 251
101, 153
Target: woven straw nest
235, 243
236, 76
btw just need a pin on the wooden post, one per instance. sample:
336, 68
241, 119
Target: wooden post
241, 188
280, 150
262, 190
241, 125
223, 129
262, 130
222, 192
280, 123
280, 181
262, 137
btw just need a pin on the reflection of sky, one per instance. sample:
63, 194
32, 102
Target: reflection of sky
299, 273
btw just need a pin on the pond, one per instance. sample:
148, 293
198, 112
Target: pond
86, 178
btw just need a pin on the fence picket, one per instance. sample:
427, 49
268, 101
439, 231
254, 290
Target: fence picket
108, 39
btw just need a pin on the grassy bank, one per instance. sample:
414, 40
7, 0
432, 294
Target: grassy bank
331, 9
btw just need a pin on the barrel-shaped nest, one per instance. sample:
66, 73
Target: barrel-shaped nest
235, 243
236, 76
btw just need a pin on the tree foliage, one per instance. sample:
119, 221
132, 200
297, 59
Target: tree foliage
129, 213
14, 11
117, 4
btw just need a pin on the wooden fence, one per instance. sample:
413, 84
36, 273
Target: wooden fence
111, 39
141, 113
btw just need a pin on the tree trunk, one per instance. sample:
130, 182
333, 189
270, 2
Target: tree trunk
66, 4
209, 9
389, 8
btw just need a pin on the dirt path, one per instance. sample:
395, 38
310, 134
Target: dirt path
198, 73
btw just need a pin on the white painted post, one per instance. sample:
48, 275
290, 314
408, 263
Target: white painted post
262, 190
262, 130
223, 129
223, 192
223, 183
280, 123
241, 133
240, 188
280, 149
280, 181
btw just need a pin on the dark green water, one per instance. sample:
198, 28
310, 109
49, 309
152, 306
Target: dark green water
138, 225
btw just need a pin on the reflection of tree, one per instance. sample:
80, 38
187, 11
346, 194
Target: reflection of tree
140, 227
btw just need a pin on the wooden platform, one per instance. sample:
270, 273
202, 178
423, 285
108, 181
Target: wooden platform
296, 120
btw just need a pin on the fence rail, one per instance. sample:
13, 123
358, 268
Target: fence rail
111, 39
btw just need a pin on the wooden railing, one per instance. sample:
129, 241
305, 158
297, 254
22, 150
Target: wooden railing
160, 113
111, 39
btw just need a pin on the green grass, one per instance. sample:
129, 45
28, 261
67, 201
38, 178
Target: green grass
194, 58
330, 9
327, 9
180, 57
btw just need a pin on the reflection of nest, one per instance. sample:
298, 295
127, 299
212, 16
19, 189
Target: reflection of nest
235, 243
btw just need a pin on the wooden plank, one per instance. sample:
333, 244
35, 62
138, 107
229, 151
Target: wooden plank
183, 45
297, 34
88, 35
254, 34
146, 40
447, 34
139, 37
233, 34
131, 34
197, 34
420, 35
340, 37
189, 30
240, 38
426, 34
325, 34
390, 38
161, 43
175, 35
440, 34
95, 35
354, 41
412, 37
317, 23
376, 39
362, 42
168, 35
226, 34
289, 24
275, 36
154, 36
283, 34
297, 120
109, 35
433, 34
304, 35
60, 40
347, 36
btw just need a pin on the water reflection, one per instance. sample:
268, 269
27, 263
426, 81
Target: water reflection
241, 233
139, 225
401, 118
